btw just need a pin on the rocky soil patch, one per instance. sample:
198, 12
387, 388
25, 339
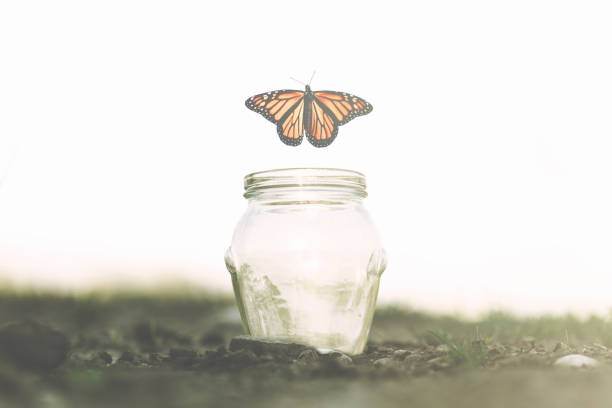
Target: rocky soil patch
190, 351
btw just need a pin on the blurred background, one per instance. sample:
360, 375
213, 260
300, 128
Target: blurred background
124, 140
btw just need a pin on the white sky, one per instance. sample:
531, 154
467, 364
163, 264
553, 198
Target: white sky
488, 152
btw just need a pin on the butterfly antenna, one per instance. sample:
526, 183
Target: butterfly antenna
313, 74
296, 80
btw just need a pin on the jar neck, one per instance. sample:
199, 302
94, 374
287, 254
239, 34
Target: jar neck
305, 186
304, 195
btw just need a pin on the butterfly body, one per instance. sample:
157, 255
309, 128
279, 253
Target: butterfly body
316, 114
308, 98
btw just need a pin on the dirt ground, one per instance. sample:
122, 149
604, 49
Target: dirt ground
180, 349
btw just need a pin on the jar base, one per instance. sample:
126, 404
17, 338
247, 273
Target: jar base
336, 316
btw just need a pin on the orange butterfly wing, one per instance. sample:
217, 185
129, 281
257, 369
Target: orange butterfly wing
343, 106
330, 109
321, 127
285, 108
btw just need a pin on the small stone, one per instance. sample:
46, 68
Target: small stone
387, 366
280, 350
384, 362
104, 356
495, 351
89, 359
540, 348
99, 360
442, 349
308, 357
340, 358
155, 359
600, 347
31, 345
412, 358
334, 363
438, 363
400, 354
128, 356
576, 361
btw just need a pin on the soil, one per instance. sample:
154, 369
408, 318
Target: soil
189, 350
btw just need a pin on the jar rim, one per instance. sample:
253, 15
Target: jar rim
304, 178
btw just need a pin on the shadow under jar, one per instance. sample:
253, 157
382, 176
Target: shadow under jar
306, 259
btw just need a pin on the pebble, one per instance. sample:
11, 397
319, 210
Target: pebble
99, 359
88, 359
128, 356
155, 359
104, 356
495, 351
576, 361
384, 362
387, 367
400, 354
31, 345
442, 348
340, 358
412, 358
438, 363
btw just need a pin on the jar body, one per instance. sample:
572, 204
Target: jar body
307, 271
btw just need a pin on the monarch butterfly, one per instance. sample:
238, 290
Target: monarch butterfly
318, 114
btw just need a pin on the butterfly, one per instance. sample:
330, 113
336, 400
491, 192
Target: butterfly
318, 114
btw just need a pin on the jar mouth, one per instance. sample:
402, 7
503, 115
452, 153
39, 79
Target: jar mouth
305, 179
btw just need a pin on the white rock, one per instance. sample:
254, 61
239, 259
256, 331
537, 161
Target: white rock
576, 360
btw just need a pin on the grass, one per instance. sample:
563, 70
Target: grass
472, 352
498, 326
449, 360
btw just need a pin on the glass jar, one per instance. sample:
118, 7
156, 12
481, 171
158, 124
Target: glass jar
306, 259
